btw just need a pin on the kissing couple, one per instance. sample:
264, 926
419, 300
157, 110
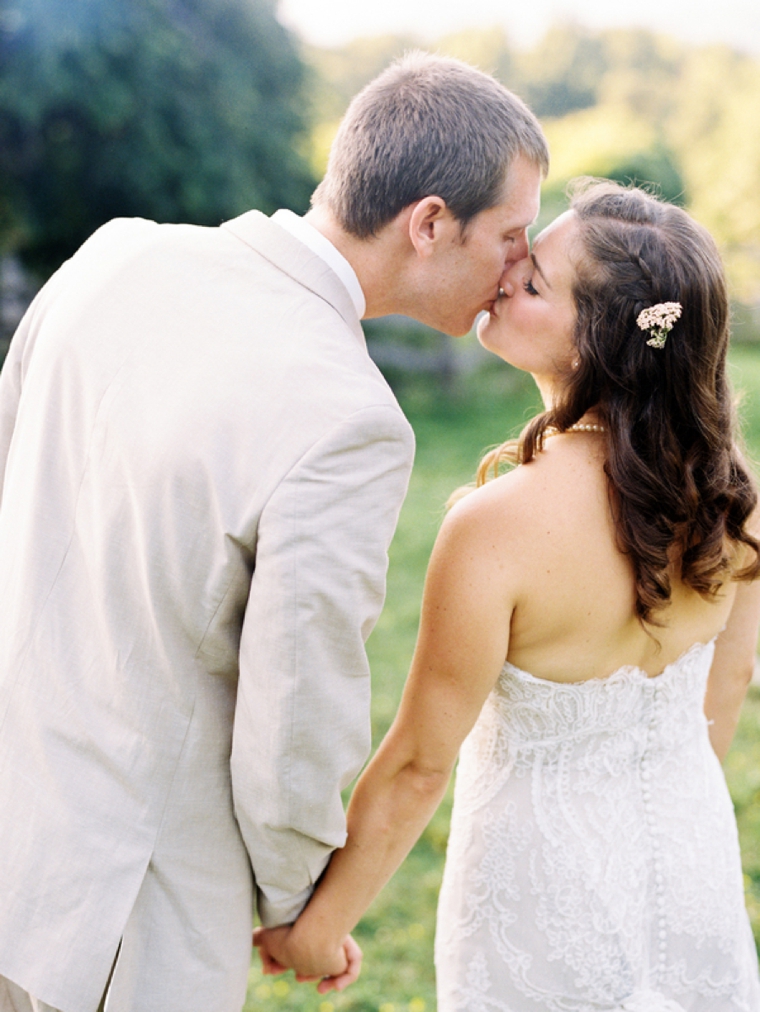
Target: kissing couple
201, 473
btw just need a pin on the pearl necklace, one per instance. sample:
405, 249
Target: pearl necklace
586, 427
577, 427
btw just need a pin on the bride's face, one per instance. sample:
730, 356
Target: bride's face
531, 325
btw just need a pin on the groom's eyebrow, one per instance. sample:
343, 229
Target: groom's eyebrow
537, 265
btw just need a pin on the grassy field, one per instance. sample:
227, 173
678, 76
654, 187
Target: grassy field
397, 933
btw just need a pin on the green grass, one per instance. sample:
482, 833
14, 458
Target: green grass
742, 764
397, 932
744, 370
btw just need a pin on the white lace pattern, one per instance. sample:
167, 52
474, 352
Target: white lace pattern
593, 863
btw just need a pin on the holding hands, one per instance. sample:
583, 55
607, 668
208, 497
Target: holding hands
289, 948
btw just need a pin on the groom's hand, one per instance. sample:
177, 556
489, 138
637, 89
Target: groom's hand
271, 945
335, 968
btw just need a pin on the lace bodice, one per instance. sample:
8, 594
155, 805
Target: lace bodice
593, 863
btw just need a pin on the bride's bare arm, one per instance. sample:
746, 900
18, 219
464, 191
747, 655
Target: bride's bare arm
461, 648
734, 662
732, 668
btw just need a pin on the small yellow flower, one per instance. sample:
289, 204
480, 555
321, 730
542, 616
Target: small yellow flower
326, 1006
281, 988
417, 1005
387, 1006
263, 991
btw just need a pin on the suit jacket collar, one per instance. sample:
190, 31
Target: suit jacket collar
297, 261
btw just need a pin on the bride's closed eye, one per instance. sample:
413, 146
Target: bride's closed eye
528, 286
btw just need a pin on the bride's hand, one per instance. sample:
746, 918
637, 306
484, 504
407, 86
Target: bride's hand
281, 949
339, 982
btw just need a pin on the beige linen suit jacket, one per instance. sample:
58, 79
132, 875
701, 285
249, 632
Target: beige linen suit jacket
200, 473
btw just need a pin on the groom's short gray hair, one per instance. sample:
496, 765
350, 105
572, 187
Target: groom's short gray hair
428, 125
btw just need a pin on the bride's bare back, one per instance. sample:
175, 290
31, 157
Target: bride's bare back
573, 590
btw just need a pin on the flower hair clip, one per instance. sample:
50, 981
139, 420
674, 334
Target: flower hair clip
659, 320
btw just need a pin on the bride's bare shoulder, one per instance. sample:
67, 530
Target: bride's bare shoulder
567, 474
539, 526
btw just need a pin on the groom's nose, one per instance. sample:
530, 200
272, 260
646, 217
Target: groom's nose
518, 250
511, 279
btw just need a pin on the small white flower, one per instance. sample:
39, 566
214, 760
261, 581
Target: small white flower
659, 320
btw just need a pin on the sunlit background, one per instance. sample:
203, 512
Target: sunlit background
335, 22
197, 110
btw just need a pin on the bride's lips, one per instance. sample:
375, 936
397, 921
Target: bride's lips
491, 306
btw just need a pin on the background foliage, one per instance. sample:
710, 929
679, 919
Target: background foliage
169, 109
197, 110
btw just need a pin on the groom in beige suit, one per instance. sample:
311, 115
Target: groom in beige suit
200, 473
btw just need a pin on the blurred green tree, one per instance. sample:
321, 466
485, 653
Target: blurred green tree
562, 73
714, 130
487, 48
169, 109
340, 73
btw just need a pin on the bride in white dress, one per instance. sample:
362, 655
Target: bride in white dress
588, 631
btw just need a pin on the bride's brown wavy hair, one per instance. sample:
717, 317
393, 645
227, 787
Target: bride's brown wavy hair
680, 492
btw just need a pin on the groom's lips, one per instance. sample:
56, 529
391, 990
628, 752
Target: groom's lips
494, 302
491, 305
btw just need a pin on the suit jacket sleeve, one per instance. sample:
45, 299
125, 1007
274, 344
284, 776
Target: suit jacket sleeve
302, 723
11, 378
10, 390
15, 365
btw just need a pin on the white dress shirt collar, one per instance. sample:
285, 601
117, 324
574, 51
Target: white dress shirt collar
302, 230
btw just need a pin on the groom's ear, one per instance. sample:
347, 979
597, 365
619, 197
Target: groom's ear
429, 223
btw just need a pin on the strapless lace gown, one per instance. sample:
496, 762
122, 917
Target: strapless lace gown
593, 863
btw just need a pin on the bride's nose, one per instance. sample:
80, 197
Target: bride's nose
513, 276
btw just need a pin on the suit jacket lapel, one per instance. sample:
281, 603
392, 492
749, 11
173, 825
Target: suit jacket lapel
297, 261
